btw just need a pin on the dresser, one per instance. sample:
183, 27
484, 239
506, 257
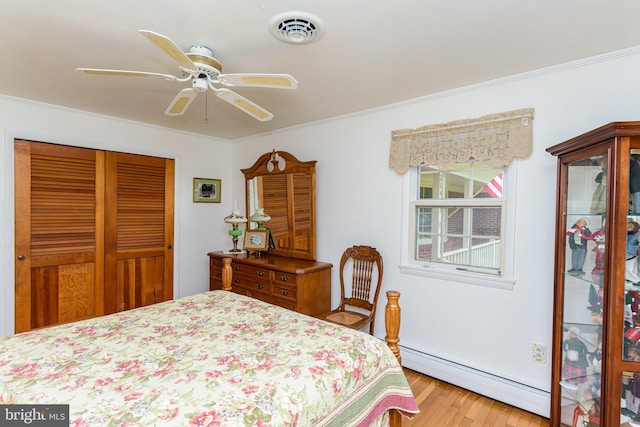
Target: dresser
296, 284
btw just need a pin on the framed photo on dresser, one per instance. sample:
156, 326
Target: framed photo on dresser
256, 240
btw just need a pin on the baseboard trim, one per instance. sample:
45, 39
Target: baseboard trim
510, 392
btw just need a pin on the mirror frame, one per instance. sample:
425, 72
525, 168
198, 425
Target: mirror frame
268, 165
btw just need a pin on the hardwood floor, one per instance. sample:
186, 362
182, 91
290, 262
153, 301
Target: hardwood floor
444, 405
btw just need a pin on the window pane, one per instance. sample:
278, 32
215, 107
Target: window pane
488, 183
456, 184
459, 235
424, 220
469, 180
428, 184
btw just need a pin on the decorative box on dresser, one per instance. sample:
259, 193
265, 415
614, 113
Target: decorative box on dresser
297, 284
595, 371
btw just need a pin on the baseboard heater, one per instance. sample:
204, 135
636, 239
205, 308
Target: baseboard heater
516, 394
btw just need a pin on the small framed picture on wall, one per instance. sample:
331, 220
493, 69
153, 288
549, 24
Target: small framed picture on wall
206, 190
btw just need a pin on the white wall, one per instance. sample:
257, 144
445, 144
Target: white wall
199, 227
360, 200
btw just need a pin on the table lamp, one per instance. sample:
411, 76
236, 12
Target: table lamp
235, 219
259, 217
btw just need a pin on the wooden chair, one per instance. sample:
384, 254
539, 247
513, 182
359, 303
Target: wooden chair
362, 261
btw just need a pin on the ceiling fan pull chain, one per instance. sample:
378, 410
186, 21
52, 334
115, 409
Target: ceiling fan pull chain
206, 107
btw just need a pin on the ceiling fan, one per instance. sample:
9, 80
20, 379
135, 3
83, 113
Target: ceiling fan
205, 72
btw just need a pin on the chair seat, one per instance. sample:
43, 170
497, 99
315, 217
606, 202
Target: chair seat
344, 317
349, 319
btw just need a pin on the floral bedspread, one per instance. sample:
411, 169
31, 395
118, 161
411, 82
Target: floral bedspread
212, 359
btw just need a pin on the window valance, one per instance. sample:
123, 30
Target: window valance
495, 138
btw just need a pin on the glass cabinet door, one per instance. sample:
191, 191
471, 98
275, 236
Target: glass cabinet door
631, 325
585, 238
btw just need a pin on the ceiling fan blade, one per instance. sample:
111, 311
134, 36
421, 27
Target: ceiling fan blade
166, 44
276, 81
181, 102
244, 104
125, 73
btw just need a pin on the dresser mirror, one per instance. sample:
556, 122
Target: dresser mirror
285, 188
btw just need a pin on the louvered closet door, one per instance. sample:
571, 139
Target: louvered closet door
94, 233
59, 238
139, 242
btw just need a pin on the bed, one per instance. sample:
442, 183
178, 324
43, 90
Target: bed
211, 359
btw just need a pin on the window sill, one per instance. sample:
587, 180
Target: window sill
464, 277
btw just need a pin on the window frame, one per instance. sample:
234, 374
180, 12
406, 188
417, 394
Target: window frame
438, 271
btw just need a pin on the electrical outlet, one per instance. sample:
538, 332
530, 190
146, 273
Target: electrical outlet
538, 352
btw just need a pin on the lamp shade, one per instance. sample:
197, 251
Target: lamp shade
235, 218
259, 216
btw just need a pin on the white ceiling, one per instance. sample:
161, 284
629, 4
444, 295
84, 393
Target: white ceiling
373, 53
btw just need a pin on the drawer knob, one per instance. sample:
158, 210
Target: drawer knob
260, 273
238, 268
284, 278
260, 286
237, 280
284, 292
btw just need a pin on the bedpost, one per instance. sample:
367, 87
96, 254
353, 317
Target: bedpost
227, 274
392, 323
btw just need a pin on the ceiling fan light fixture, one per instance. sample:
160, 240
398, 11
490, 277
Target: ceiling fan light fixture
296, 27
200, 84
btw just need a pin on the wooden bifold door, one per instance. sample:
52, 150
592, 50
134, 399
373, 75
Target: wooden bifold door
93, 233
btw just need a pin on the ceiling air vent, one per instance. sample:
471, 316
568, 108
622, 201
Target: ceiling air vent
296, 27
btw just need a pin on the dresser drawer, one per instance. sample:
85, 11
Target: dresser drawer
289, 305
215, 284
252, 292
215, 264
255, 284
251, 271
285, 278
285, 291
215, 274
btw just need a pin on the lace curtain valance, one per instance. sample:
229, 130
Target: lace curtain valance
495, 138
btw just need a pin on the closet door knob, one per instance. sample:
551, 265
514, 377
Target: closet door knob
20, 257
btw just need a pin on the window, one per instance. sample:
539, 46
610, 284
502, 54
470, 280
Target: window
456, 226
457, 218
